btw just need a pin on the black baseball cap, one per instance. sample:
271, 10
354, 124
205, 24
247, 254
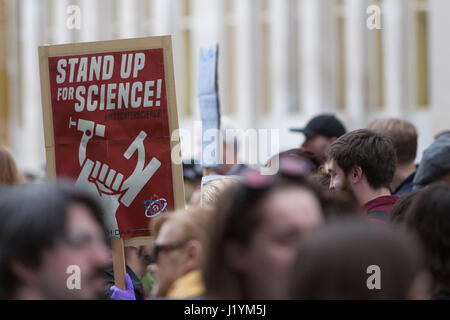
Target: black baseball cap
323, 124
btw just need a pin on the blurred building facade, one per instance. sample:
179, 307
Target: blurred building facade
280, 63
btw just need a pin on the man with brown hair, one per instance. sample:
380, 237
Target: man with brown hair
403, 135
363, 162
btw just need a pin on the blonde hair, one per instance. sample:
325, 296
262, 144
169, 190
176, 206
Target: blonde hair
8, 169
194, 222
213, 189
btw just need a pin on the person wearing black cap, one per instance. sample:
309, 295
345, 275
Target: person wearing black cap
320, 132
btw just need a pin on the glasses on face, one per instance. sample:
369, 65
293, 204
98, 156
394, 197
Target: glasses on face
158, 248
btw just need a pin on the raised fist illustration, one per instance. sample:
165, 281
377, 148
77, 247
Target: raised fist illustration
109, 184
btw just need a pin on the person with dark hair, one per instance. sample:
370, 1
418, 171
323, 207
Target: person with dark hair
403, 135
352, 259
402, 205
363, 162
429, 217
309, 162
435, 163
320, 132
52, 243
300, 154
253, 238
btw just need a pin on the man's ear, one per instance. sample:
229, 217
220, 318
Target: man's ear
356, 174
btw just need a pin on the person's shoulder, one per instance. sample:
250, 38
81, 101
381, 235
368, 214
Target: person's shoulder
382, 203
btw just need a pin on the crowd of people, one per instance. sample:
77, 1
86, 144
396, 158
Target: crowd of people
349, 215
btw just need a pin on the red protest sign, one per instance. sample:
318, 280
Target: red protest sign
109, 110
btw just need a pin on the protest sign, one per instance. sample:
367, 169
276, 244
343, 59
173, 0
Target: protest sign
208, 97
109, 109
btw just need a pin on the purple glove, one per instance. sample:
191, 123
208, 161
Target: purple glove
118, 294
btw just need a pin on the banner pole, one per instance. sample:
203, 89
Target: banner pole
119, 266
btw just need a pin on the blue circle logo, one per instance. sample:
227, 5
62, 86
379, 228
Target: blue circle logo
155, 207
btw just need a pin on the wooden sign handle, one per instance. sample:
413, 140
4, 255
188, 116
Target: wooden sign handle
118, 255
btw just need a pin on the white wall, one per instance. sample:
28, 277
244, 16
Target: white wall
43, 22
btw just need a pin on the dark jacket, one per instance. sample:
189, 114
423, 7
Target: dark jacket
406, 186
